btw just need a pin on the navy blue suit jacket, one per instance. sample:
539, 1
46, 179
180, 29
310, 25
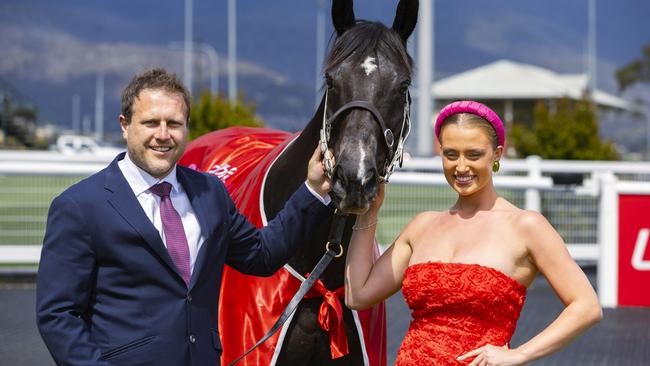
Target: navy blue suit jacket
108, 292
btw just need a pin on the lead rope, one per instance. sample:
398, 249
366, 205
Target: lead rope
331, 252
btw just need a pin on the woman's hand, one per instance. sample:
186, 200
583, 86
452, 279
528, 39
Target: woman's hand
378, 201
369, 219
316, 175
490, 355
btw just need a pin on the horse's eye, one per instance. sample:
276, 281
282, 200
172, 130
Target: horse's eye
404, 87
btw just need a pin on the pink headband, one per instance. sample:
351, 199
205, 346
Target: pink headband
476, 108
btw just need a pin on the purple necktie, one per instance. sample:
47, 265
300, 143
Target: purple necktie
174, 232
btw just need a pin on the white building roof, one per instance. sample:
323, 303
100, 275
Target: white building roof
506, 79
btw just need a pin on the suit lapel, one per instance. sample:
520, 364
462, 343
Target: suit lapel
123, 200
192, 189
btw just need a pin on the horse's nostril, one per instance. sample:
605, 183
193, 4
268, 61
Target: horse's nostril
370, 184
370, 178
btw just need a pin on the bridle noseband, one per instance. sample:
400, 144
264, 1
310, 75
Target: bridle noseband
395, 155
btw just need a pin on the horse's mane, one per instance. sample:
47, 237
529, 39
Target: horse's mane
367, 38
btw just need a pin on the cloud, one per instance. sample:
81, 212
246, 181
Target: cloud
533, 40
51, 55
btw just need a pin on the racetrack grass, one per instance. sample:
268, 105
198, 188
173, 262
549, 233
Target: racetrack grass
24, 201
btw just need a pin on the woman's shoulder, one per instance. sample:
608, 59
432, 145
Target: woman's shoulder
531, 225
517, 215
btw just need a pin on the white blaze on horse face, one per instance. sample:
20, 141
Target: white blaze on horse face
369, 65
361, 173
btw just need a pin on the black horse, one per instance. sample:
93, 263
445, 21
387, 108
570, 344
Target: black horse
367, 74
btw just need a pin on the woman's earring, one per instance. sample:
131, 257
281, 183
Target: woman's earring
496, 166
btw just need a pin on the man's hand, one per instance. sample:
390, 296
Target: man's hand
316, 175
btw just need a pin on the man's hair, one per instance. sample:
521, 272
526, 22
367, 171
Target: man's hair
154, 79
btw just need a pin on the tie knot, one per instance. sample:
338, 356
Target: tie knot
161, 189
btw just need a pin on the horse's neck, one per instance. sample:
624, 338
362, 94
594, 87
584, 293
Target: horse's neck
289, 171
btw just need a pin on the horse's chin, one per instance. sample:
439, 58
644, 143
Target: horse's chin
350, 209
350, 204
354, 210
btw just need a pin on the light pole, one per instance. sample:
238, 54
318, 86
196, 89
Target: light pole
232, 51
213, 62
591, 48
99, 107
425, 67
76, 114
188, 60
320, 48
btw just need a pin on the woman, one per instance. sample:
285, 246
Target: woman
464, 272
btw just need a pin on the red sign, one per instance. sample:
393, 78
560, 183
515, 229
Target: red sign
634, 250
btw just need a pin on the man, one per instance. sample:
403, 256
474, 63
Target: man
133, 255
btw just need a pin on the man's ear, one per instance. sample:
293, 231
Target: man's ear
124, 124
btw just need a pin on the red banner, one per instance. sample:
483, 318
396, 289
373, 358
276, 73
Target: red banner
634, 250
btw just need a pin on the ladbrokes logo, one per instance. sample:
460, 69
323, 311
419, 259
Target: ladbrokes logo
222, 172
639, 250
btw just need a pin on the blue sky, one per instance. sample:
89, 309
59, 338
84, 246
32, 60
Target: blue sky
52, 47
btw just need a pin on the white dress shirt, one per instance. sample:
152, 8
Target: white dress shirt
140, 181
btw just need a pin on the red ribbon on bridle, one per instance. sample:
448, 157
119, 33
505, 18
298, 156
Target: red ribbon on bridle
330, 317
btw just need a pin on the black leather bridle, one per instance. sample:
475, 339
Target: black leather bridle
395, 155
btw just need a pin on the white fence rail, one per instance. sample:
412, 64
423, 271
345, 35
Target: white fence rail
29, 181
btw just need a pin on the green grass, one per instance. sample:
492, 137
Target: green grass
24, 201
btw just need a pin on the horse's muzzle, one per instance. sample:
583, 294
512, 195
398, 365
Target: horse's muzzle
351, 194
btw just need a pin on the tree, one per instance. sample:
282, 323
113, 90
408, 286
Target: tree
570, 133
636, 71
18, 123
211, 113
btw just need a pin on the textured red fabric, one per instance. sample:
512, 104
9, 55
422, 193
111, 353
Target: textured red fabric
456, 308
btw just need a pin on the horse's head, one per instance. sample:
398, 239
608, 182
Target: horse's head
368, 73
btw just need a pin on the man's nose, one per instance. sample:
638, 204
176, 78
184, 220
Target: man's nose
162, 133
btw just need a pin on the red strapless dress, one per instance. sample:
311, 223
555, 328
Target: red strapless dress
456, 308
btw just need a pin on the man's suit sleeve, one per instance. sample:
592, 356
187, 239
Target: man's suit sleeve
262, 252
65, 284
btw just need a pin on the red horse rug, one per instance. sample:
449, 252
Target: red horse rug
250, 305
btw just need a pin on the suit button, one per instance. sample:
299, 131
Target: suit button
192, 339
189, 298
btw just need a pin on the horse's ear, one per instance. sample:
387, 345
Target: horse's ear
342, 15
406, 18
